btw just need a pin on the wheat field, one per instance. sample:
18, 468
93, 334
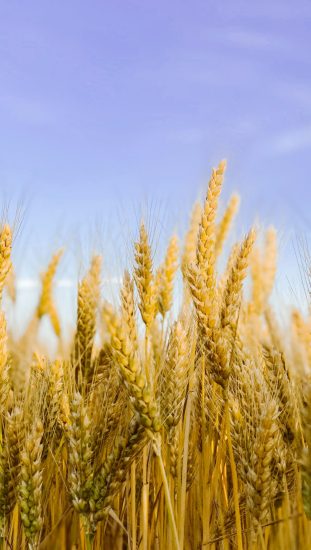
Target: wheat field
156, 428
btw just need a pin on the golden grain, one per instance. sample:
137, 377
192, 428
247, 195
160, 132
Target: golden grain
182, 427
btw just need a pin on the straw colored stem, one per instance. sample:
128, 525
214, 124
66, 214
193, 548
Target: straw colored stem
234, 481
157, 450
182, 511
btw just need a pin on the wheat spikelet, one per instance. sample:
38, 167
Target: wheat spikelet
217, 343
282, 386
9, 463
4, 365
207, 231
223, 279
261, 493
232, 292
88, 297
174, 377
166, 277
219, 352
202, 307
132, 374
113, 471
223, 227
30, 485
107, 399
157, 346
80, 453
54, 391
256, 436
5, 255
207, 396
190, 242
129, 308
144, 278
46, 304
15, 435
201, 277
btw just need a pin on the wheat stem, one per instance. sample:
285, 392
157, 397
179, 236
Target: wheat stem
157, 450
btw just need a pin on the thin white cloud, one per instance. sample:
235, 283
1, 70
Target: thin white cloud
254, 39
29, 283
294, 140
113, 280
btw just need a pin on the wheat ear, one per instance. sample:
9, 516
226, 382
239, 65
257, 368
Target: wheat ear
144, 278
224, 225
5, 255
88, 297
46, 304
166, 277
30, 485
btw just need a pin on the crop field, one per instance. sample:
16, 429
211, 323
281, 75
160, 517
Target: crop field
160, 426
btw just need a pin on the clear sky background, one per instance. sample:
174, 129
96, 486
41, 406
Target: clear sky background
113, 109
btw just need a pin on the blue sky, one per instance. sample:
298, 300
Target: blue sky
113, 109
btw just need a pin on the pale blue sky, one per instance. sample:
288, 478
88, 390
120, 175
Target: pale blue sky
111, 108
